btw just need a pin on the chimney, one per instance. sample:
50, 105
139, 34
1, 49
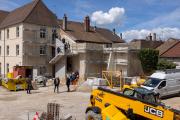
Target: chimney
65, 22
150, 37
114, 31
95, 28
87, 24
121, 35
154, 36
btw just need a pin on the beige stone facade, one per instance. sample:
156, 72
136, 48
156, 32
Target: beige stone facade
90, 59
11, 48
25, 48
27, 38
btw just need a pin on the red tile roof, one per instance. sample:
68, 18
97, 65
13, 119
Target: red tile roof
3, 15
35, 12
167, 45
173, 52
100, 35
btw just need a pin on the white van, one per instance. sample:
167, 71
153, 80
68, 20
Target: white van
164, 82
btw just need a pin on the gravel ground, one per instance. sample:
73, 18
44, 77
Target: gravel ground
17, 105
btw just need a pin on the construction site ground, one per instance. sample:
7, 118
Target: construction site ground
17, 105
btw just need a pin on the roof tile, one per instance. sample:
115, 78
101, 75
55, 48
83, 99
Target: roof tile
100, 35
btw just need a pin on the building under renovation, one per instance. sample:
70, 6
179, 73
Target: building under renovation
27, 38
90, 50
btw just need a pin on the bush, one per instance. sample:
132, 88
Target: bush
164, 64
149, 59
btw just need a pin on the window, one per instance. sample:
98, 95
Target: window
7, 67
7, 50
7, 33
108, 45
0, 50
152, 82
17, 31
42, 33
162, 84
42, 70
17, 50
54, 35
0, 68
128, 92
42, 50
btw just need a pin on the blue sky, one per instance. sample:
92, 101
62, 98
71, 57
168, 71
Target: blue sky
127, 16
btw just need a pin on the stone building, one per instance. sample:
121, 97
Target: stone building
90, 50
149, 42
170, 51
27, 38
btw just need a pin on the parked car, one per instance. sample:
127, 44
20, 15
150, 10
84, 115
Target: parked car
164, 83
41, 80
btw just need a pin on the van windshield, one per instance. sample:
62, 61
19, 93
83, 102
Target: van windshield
152, 82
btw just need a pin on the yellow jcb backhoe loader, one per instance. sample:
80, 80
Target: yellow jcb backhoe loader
131, 104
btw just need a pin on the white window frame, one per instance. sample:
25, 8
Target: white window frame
17, 50
7, 50
43, 33
8, 33
42, 50
0, 50
0, 34
17, 31
7, 67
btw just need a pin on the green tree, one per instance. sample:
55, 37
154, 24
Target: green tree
164, 64
149, 59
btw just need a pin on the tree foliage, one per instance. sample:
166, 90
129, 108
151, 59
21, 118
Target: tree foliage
164, 64
149, 59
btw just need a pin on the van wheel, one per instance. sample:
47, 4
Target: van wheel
90, 115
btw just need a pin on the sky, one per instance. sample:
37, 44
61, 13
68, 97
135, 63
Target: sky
133, 18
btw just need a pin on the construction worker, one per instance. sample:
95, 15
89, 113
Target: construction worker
68, 82
56, 84
29, 85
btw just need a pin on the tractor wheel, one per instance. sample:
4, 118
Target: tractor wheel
90, 115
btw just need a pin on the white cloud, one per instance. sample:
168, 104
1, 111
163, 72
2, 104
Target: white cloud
114, 15
8, 5
168, 20
162, 33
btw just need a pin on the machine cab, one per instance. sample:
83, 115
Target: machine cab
142, 94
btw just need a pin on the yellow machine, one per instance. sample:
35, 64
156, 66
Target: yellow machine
17, 79
131, 104
14, 84
116, 79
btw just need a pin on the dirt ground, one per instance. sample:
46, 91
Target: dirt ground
17, 105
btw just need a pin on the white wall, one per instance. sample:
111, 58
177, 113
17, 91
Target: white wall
12, 59
60, 69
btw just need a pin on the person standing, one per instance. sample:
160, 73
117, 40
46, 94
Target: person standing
29, 85
56, 84
68, 82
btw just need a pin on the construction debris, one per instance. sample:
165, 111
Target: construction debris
92, 83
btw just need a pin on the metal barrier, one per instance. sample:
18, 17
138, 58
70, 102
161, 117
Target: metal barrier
108, 75
53, 110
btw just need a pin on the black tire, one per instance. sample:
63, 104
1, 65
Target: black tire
90, 115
